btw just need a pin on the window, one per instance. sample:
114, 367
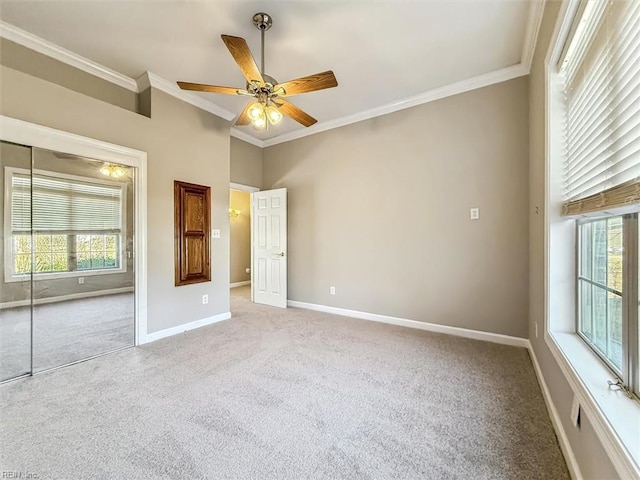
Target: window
599, 70
63, 225
602, 322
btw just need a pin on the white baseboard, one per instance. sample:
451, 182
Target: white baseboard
64, 298
168, 332
239, 284
565, 446
403, 322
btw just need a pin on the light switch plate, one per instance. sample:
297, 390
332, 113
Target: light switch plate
215, 233
474, 213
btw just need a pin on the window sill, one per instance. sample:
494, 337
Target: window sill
61, 275
614, 416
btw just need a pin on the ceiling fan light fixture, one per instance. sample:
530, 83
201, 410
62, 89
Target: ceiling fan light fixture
273, 114
256, 111
260, 122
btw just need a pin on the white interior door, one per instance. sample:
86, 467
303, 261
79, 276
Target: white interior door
269, 247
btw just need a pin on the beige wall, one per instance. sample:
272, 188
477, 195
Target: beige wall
28, 61
380, 210
589, 453
246, 163
182, 142
240, 236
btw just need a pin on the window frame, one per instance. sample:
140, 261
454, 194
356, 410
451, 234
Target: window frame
10, 276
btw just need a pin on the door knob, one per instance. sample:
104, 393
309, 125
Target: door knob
282, 254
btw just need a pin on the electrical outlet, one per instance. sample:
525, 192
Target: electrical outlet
205, 299
332, 290
474, 213
215, 233
81, 280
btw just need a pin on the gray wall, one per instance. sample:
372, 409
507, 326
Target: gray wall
246, 163
240, 236
589, 453
17, 156
182, 142
380, 210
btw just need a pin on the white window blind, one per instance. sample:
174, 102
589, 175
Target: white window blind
61, 205
601, 74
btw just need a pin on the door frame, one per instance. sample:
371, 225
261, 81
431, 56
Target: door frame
39, 136
250, 190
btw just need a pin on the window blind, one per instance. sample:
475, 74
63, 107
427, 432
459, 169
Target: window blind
601, 74
46, 204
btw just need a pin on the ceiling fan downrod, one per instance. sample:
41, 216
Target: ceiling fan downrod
263, 22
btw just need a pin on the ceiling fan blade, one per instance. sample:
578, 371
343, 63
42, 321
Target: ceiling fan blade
294, 112
243, 118
200, 87
310, 83
242, 55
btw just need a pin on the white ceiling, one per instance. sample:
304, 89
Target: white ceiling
380, 52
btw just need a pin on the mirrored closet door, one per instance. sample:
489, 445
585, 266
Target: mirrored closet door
69, 271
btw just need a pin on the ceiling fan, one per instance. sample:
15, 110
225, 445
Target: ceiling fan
269, 104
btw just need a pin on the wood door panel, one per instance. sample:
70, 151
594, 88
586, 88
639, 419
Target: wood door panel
194, 264
192, 233
193, 213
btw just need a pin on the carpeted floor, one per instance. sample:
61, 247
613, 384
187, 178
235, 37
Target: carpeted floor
64, 332
286, 394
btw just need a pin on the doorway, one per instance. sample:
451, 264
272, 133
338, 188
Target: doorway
240, 238
261, 237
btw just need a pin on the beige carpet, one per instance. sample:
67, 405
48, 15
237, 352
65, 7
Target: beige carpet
64, 332
293, 394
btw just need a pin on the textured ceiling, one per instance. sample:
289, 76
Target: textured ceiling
381, 51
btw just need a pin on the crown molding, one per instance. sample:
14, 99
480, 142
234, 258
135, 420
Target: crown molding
149, 79
456, 88
40, 45
536, 12
245, 137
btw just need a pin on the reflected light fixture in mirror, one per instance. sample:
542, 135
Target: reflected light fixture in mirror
111, 170
233, 213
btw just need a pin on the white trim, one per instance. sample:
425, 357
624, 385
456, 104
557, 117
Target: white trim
239, 284
536, 12
64, 298
25, 133
243, 188
484, 80
403, 322
153, 80
45, 47
245, 137
590, 388
563, 440
168, 332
